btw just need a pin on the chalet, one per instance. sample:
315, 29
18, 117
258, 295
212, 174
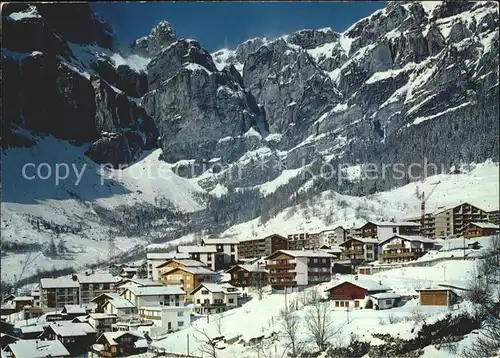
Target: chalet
154, 259
148, 296
384, 300
188, 277
134, 282
170, 318
359, 249
205, 254
21, 301
72, 311
32, 331
226, 251
212, 298
37, 349
436, 296
476, 229
355, 293
288, 268
255, 248
102, 299
400, 248
175, 263
248, 275
58, 292
120, 307
76, 337
102, 322
120, 344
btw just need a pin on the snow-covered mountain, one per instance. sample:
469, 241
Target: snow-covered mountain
234, 135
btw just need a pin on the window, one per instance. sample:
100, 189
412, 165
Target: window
388, 302
394, 230
180, 323
336, 303
232, 247
180, 314
204, 292
231, 300
198, 301
209, 257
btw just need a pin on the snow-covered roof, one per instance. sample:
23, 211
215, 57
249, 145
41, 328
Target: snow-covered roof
75, 309
112, 336
38, 349
218, 288
139, 281
166, 255
120, 303
72, 329
365, 240
413, 238
485, 225
221, 241
261, 238
395, 223
204, 249
250, 268
193, 270
104, 277
33, 329
110, 295
366, 283
385, 295
60, 282
156, 290
22, 298
102, 315
184, 262
304, 253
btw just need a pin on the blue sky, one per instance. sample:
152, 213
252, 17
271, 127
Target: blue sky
219, 24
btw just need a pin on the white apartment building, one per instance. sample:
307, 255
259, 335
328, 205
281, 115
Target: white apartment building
332, 237
210, 298
166, 318
58, 292
133, 282
226, 251
102, 322
205, 254
120, 307
155, 296
154, 259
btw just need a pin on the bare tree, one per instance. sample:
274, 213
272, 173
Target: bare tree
258, 282
487, 344
209, 346
289, 324
218, 323
319, 321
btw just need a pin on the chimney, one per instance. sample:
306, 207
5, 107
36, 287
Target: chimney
380, 283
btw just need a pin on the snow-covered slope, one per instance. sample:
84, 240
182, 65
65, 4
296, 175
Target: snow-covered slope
74, 205
479, 185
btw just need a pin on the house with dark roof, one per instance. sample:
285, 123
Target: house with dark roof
76, 337
121, 344
248, 275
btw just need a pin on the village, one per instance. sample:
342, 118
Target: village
124, 309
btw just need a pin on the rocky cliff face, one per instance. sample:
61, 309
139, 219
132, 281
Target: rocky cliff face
61, 66
413, 80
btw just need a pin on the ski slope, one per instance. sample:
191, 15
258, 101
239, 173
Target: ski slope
73, 201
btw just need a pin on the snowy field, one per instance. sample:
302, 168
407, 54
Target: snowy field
261, 318
73, 202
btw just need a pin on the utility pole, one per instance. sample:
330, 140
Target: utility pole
464, 247
187, 336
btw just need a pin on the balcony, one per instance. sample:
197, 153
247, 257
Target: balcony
213, 304
353, 251
282, 274
281, 266
284, 283
400, 254
312, 274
